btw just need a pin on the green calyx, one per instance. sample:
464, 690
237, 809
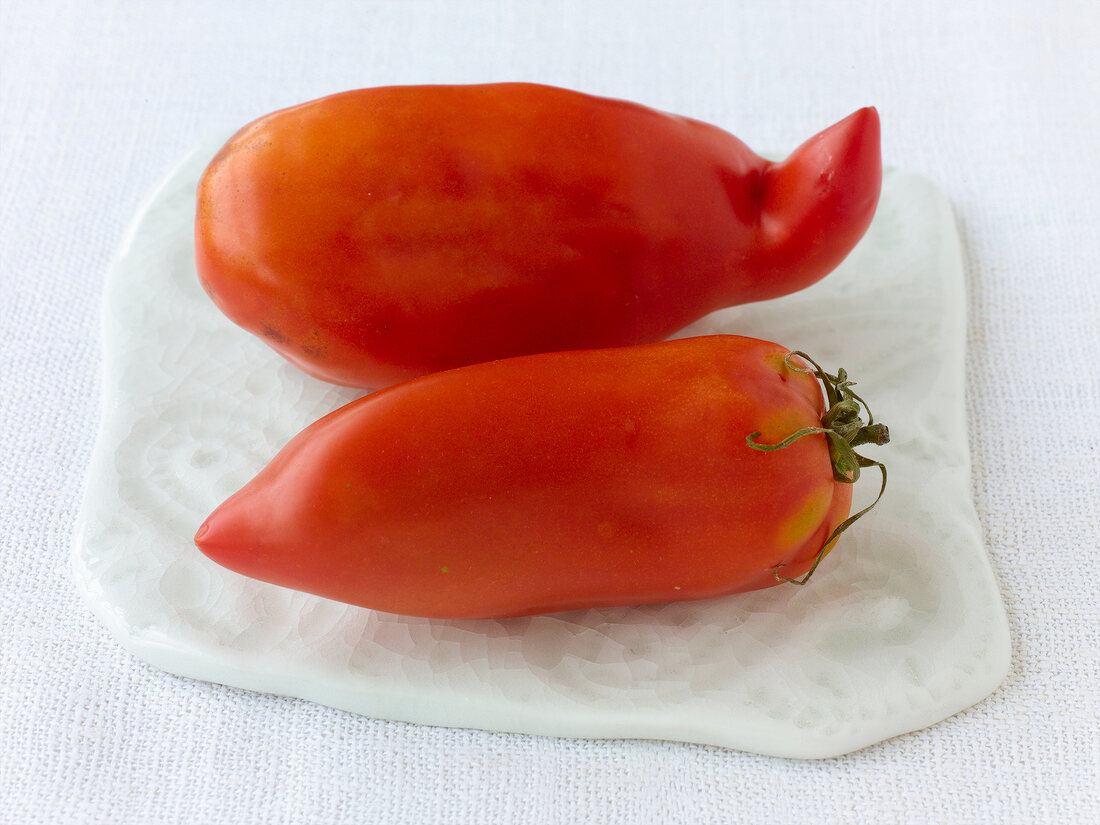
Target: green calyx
845, 429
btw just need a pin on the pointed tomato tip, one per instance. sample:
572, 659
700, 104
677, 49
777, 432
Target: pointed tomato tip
862, 125
209, 538
868, 118
203, 536
233, 536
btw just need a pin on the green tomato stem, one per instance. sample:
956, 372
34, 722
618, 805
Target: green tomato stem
845, 430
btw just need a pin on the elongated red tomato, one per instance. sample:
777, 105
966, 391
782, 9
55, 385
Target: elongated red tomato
553, 481
379, 234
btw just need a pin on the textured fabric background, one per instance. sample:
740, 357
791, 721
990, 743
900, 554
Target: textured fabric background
994, 101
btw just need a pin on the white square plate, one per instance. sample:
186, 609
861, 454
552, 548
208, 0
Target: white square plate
901, 626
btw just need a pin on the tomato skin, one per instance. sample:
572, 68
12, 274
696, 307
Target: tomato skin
379, 234
547, 482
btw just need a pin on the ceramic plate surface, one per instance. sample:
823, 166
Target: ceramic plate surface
901, 626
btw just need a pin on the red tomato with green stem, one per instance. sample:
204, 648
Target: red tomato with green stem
680, 470
379, 234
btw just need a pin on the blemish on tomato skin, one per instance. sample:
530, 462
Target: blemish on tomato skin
777, 361
314, 345
275, 335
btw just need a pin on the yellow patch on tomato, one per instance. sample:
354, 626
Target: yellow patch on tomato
778, 362
796, 529
783, 423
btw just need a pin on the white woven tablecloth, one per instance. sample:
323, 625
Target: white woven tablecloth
993, 101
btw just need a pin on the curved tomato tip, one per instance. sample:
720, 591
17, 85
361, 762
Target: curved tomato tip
818, 203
